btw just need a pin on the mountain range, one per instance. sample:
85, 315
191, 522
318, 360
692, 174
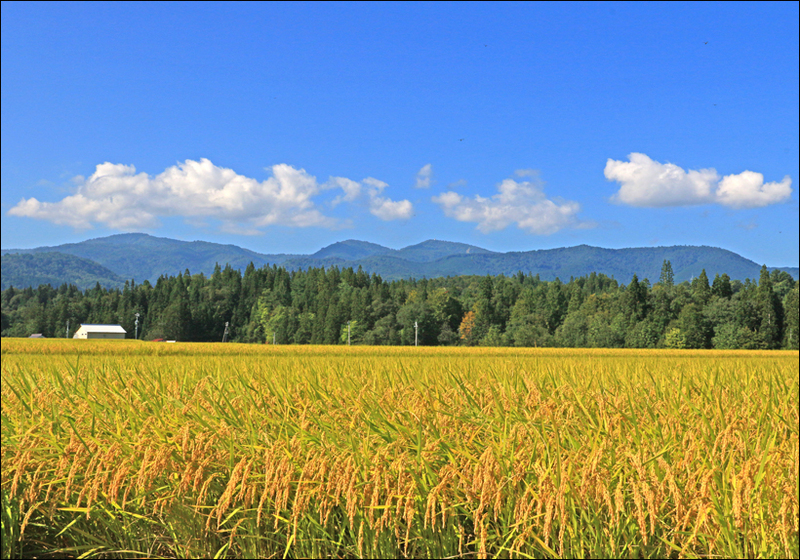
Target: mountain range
113, 259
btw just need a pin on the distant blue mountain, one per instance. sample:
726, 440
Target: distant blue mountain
350, 250
433, 250
34, 269
143, 257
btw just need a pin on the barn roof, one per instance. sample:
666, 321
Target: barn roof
103, 328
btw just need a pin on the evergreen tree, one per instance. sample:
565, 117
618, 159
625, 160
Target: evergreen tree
174, 323
634, 301
667, 277
555, 306
701, 291
722, 286
334, 320
483, 308
771, 317
792, 311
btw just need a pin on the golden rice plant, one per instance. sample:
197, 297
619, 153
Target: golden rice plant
122, 448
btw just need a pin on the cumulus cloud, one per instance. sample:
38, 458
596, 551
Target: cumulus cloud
118, 197
648, 183
383, 207
517, 202
424, 177
748, 190
352, 189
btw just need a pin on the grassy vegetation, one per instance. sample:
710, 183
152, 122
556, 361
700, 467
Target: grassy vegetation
124, 448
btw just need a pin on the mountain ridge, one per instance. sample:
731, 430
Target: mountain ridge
144, 257
34, 269
350, 250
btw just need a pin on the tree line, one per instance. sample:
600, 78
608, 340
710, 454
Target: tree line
325, 306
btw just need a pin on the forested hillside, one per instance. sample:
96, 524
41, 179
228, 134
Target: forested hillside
317, 305
34, 269
140, 257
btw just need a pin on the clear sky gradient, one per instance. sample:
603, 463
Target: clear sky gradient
287, 127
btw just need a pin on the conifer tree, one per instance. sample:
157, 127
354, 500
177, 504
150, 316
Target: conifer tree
722, 286
771, 317
701, 291
667, 277
792, 317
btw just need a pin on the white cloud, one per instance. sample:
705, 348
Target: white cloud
747, 190
117, 197
522, 203
387, 210
648, 183
645, 182
352, 189
424, 177
376, 185
383, 207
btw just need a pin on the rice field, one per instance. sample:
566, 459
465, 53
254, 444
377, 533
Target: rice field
133, 449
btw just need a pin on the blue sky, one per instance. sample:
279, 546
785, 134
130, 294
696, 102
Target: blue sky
287, 127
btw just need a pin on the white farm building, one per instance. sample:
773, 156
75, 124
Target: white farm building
100, 331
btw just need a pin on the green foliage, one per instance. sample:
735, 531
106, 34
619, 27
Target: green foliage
675, 339
694, 328
791, 305
667, 276
574, 331
722, 286
445, 308
356, 333
11, 521
494, 337
24, 270
701, 291
314, 306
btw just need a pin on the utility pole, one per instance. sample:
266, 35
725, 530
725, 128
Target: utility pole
348, 333
67, 328
416, 328
136, 329
273, 339
225, 334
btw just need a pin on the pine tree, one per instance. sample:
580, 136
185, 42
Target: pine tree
667, 278
722, 286
635, 300
555, 306
792, 318
769, 310
701, 291
334, 319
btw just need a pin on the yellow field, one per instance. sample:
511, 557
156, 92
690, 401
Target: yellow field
115, 448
